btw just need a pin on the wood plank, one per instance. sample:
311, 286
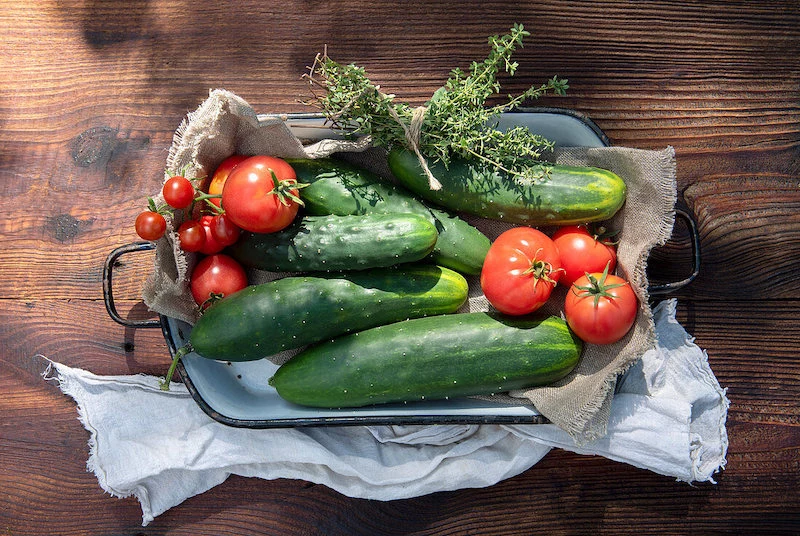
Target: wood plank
679, 80
77, 333
93, 91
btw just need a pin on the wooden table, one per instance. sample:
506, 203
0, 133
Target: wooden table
92, 92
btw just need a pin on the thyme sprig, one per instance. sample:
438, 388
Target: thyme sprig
455, 122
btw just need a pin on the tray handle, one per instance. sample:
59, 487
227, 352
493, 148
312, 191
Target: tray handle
108, 293
667, 288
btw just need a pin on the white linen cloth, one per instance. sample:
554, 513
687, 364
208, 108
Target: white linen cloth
668, 416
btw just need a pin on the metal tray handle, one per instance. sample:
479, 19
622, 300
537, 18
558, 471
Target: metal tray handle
108, 293
667, 288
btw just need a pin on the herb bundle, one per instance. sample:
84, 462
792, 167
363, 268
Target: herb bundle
455, 122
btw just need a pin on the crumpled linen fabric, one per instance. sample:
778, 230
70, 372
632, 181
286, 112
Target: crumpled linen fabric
668, 416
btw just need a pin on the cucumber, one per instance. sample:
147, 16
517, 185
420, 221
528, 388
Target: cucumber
334, 243
337, 187
460, 246
430, 358
570, 195
289, 313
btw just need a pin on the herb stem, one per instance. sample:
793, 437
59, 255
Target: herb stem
456, 122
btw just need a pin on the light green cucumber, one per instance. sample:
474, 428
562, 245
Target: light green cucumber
570, 195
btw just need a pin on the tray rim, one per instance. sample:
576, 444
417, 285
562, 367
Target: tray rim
554, 110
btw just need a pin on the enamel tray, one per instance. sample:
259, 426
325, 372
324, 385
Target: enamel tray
237, 394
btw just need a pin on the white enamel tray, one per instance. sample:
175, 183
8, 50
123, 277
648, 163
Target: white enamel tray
238, 394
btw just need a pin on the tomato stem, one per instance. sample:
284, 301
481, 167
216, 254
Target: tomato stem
540, 269
283, 189
162, 209
206, 199
181, 173
598, 288
202, 196
213, 298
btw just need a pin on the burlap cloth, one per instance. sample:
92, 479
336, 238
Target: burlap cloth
580, 404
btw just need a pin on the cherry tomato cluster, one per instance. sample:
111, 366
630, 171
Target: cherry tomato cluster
524, 265
259, 194
208, 234
178, 193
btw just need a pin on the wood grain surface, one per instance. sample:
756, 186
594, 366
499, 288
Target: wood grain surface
92, 91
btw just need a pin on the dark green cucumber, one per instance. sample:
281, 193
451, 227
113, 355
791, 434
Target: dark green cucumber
333, 243
570, 195
292, 312
337, 187
460, 246
430, 358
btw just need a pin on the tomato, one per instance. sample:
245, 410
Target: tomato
216, 276
582, 253
224, 230
221, 175
211, 244
520, 270
178, 192
150, 225
601, 308
209, 234
192, 235
261, 194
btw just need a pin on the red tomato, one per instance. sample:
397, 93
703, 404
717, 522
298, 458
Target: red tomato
520, 271
582, 253
211, 245
261, 194
192, 235
224, 230
216, 276
178, 192
221, 175
601, 308
150, 225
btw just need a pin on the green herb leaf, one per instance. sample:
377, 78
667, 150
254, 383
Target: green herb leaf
456, 121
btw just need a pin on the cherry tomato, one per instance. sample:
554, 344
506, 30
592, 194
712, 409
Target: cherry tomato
221, 175
520, 270
224, 230
211, 245
150, 225
601, 308
216, 276
261, 194
192, 235
178, 192
582, 253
